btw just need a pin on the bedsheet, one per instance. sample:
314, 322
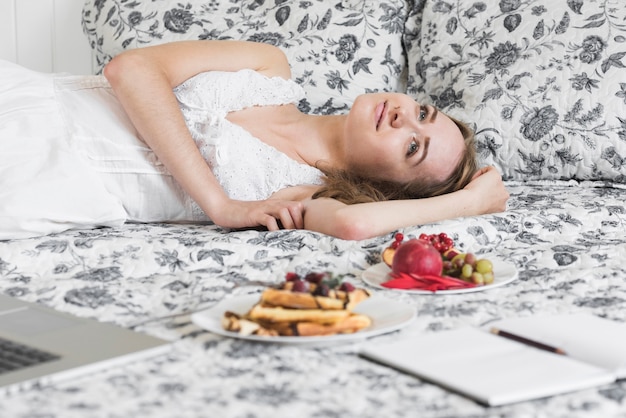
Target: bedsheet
565, 238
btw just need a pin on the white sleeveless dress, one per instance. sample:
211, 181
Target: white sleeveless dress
71, 158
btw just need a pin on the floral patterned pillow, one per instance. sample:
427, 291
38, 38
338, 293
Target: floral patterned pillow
544, 83
337, 49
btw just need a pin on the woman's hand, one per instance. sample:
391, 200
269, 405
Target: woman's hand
273, 214
488, 190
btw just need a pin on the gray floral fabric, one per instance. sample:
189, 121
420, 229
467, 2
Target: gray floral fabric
566, 240
544, 83
337, 50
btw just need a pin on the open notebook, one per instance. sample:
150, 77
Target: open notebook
494, 370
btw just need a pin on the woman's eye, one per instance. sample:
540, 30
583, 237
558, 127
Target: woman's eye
423, 113
413, 147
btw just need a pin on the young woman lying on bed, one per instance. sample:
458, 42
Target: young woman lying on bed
202, 130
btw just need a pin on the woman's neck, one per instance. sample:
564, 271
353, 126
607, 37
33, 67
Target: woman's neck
312, 139
318, 140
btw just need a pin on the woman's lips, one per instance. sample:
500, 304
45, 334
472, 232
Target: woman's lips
380, 113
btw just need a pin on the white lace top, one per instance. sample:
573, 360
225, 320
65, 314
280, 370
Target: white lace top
246, 167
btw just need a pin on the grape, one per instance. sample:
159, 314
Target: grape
346, 287
477, 278
300, 286
315, 277
467, 267
466, 271
484, 266
470, 259
458, 261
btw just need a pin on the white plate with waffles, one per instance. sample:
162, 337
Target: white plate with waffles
387, 315
504, 273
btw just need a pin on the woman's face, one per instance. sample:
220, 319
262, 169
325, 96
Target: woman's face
395, 138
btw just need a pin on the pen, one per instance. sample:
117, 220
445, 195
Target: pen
527, 341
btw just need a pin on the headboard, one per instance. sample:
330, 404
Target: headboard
44, 35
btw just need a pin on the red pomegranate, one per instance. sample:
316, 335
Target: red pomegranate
419, 257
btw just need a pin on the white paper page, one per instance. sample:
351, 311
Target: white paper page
487, 368
585, 337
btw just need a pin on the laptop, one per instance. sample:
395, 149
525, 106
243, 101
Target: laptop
39, 345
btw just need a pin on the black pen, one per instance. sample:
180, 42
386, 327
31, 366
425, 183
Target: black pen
527, 341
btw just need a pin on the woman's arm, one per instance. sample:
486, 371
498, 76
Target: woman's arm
179, 61
485, 194
143, 80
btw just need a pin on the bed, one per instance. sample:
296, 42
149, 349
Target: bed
543, 86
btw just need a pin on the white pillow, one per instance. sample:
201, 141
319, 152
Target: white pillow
337, 50
544, 83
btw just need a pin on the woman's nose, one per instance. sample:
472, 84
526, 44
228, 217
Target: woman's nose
398, 117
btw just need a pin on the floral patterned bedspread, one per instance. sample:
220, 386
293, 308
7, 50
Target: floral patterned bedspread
566, 239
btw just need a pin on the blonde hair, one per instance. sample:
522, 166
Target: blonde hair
351, 188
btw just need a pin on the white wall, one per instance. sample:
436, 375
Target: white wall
45, 35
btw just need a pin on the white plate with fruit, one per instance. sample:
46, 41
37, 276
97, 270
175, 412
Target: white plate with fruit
431, 264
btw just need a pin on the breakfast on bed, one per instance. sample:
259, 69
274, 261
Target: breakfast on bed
274, 323
322, 304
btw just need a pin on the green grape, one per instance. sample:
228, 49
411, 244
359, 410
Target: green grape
466, 271
484, 266
478, 278
458, 260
